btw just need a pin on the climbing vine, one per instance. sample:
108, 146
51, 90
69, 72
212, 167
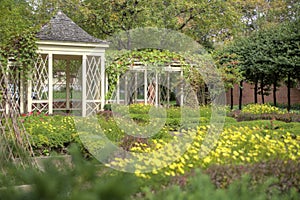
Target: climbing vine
23, 49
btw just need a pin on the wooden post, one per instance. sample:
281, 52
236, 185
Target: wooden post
84, 60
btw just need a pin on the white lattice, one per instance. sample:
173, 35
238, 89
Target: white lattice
40, 79
92, 107
93, 75
40, 107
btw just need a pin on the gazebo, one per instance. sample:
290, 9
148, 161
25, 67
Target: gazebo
69, 73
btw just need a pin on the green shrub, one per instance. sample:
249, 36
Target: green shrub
286, 173
287, 117
262, 109
50, 133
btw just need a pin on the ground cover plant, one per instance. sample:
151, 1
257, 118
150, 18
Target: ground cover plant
260, 149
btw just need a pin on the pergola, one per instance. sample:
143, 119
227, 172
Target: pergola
150, 84
69, 74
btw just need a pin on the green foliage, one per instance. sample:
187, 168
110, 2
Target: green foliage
228, 64
50, 134
16, 17
199, 186
262, 109
288, 117
81, 179
22, 48
268, 55
77, 180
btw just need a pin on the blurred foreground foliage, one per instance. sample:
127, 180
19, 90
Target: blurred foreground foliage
81, 179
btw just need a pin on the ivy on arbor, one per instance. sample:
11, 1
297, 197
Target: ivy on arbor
22, 48
118, 62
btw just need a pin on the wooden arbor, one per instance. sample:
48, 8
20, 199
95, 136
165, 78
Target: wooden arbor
69, 74
150, 84
14, 142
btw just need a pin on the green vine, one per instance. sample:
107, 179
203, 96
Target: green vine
23, 48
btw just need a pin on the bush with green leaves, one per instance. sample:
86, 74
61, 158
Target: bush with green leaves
262, 109
50, 133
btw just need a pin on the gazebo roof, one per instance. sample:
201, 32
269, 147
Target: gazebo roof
62, 28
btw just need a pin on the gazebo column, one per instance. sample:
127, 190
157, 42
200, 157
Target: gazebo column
84, 60
68, 92
50, 83
29, 94
103, 82
22, 93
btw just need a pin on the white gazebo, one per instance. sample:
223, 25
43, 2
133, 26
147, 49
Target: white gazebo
69, 74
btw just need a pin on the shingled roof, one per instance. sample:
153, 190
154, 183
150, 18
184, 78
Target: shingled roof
62, 28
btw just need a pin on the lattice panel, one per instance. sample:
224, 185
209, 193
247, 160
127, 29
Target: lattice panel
40, 79
93, 76
92, 108
151, 87
40, 107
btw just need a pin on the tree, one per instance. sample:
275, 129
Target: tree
228, 64
16, 16
204, 21
268, 56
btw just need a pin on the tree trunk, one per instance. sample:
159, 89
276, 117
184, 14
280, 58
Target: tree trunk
206, 94
262, 91
274, 92
255, 91
241, 95
231, 98
289, 93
